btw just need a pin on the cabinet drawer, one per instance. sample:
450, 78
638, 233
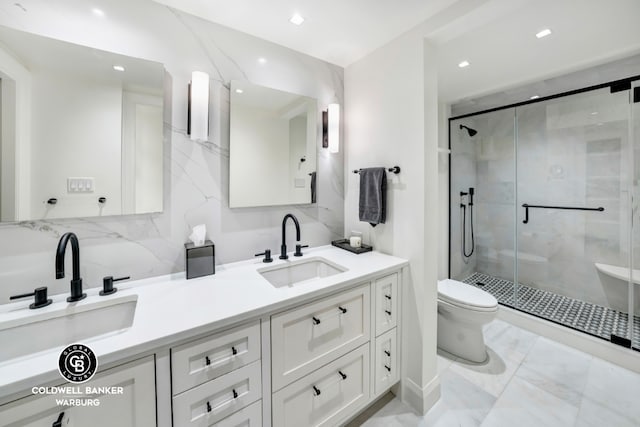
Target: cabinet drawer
212, 401
308, 337
251, 416
326, 396
386, 362
386, 304
200, 361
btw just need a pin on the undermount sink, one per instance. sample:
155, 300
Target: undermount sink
68, 325
300, 272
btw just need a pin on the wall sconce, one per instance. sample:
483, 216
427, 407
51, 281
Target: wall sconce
198, 110
331, 128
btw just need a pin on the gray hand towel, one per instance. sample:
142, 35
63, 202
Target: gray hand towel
373, 196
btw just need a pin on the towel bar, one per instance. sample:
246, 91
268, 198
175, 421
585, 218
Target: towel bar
395, 169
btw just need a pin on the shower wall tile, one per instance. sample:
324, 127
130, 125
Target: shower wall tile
196, 173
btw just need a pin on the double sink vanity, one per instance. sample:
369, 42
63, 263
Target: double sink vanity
307, 341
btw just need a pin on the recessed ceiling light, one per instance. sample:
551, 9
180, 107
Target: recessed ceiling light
239, 91
464, 64
296, 19
594, 113
262, 60
118, 67
543, 33
97, 12
535, 97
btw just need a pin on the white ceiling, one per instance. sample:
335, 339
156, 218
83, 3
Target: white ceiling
496, 36
337, 31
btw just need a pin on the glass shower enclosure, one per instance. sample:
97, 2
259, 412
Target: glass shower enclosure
544, 208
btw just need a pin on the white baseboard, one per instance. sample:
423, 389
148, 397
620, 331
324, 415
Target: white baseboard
621, 356
421, 399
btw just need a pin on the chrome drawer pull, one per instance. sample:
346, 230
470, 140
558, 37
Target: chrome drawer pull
316, 321
388, 297
343, 375
388, 312
234, 351
387, 352
388, 368
316, 391
207, 361
235, 394
208, 406
342, 309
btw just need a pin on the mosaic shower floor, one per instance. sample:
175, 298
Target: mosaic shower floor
583, 316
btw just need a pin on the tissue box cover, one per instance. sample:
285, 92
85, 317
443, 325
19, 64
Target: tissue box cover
200, 260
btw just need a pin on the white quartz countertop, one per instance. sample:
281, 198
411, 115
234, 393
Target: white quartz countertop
171, 308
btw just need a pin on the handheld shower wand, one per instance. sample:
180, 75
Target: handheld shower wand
470, 194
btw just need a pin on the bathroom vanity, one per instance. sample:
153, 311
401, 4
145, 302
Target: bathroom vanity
307, 341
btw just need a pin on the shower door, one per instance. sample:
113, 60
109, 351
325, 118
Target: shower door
574, 174
482, 195
634, 288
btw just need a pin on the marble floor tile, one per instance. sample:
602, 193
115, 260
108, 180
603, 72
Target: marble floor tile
611, 397
462, 403
507, 347
393, 414
524, 405
557, 369
527, 381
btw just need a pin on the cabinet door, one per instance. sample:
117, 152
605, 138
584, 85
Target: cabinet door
135, 407
386, 362
386, 310
308, 337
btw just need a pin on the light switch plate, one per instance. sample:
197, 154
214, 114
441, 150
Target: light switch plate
80, 184
299, 183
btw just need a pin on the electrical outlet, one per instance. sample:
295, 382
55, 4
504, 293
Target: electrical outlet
80, 185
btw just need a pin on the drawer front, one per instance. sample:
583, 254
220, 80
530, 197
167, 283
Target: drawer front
386, 310
386, 362
214, 400
251, 416
327, 396
310, 336
197, 362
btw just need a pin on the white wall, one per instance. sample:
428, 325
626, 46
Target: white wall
391, 107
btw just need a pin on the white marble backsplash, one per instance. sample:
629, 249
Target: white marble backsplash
195, 173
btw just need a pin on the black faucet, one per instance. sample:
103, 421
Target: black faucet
283, 247
76, 280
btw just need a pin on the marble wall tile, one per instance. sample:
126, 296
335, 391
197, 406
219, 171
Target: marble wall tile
196, 173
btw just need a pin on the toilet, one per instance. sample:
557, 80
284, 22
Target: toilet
462, 312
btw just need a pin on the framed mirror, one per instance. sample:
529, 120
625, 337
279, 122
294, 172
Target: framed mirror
273, 143
81, 130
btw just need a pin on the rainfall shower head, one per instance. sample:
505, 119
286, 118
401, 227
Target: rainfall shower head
472, 132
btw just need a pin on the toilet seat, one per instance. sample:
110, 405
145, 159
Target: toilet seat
466, 296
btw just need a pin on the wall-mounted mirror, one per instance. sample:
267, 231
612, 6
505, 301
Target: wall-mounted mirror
81, 130
273, 147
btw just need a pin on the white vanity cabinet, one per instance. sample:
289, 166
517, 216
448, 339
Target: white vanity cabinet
215, 378
135, 407
333, 357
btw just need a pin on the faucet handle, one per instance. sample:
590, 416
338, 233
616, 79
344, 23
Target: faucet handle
298, 251
40, 295
267, 255
107, 284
